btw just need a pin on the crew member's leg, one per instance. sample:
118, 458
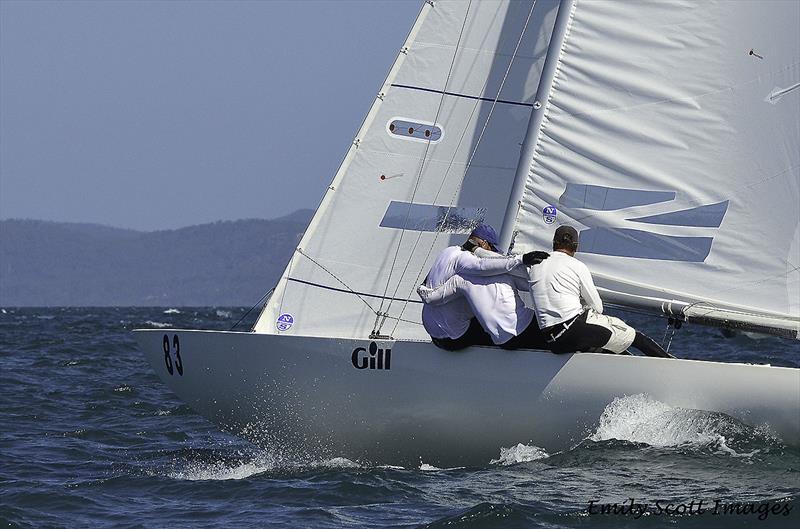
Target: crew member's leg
475, 335
531, 338
594, 332
581, 337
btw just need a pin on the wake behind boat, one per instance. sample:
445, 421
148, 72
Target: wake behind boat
666, 132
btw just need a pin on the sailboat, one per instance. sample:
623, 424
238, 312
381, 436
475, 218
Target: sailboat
666, 132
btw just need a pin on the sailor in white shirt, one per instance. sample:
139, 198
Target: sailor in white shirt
452, 324
492, 298
563, 282
569, 309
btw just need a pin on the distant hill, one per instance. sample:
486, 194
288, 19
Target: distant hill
66, 264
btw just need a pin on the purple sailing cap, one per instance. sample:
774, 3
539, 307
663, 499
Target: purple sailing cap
487, 233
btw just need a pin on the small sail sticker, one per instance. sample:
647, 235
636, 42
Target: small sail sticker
284, 322
549, 214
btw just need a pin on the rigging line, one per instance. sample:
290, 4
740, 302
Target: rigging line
399, 319
468, 165
345, 285
424, 158
288, 273
263, 299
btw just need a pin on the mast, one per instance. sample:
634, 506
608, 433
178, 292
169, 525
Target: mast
565, 8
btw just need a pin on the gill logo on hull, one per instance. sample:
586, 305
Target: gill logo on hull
375, 358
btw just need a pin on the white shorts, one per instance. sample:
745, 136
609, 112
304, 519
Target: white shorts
622, 334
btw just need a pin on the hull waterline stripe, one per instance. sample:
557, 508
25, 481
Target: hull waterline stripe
350, 291
465, 96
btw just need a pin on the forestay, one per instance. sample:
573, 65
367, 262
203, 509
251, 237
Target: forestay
403, 191
669, 138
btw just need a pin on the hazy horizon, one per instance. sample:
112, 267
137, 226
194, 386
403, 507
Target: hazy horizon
290, 214
160, 115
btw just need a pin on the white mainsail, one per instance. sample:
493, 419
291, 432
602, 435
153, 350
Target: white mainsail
670, 137
465, 66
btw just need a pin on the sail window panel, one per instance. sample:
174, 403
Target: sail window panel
460, 120
430, 217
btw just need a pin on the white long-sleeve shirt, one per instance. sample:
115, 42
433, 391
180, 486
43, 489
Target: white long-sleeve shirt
493, 300
558, 284
451, 320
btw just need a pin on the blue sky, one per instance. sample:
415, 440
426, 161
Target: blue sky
155, 115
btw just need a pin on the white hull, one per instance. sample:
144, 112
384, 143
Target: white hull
304, 394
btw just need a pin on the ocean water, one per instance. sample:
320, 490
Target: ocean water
89, 437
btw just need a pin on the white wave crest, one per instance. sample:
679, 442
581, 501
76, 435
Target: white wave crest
224, 313
157, 324
265, 462
643, 419
425, 467
172, 311
336, 462
219, 471
519, 454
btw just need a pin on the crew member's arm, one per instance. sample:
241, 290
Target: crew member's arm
482, 262
470, 264
448, 291
588, 291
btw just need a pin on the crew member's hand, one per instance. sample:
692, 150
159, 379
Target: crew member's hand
534, 258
